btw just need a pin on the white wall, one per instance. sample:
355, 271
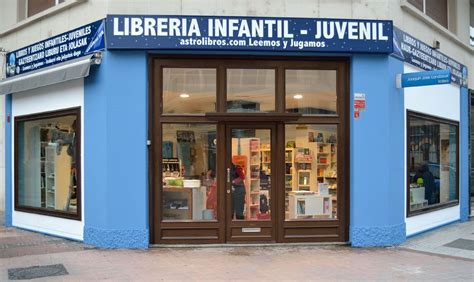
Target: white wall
55, 97
441, 101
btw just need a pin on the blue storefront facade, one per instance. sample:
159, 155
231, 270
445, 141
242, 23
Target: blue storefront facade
118, 207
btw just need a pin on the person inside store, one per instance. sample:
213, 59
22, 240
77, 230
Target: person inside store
211, 192
424, 175
238, 191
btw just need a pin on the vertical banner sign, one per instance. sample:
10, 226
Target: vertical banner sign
359, 101
248, 33
419, 54
359, 104
66, 46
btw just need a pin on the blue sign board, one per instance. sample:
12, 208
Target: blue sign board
421, 55
63, 47
248, 34
425, 78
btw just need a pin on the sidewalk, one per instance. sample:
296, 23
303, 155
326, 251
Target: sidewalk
21, 249
453, 240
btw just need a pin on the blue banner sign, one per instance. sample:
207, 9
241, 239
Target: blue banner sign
424, 78
419, 54
248, 34
63, 47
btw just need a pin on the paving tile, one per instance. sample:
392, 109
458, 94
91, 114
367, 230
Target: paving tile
463, 244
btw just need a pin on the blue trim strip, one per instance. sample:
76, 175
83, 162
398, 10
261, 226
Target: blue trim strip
8, 161
464, 196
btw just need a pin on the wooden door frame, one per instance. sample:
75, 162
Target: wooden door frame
221, 117
273, 222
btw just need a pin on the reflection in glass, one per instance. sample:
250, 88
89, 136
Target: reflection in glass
310, 172
432, 163
251, 174
47, 176
189, 90
311, 91
250, 90
189, 172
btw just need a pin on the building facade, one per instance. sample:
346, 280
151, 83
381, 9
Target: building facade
133, 123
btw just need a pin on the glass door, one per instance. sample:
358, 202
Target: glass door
249, 183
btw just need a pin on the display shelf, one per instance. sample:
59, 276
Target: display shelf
57, 168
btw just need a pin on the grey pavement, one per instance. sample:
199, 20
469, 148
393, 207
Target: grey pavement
66, 260
455, 240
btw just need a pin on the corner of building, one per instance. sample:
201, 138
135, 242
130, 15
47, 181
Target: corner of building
115, 99
377, 159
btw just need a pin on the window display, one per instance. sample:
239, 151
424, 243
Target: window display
189, 172
47, 171
433, 162
310, 172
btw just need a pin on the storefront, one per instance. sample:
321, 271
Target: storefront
251, 148
235, 130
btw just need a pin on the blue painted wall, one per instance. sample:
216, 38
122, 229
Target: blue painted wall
377, 213
8, 161
115, 152
464, 155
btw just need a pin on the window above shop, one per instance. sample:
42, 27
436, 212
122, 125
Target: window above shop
35, 6
433, 162
22, 13
435, 9
29, 8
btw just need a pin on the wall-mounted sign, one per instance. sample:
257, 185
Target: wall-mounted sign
248, 33
419, 54
359, 104
359, 101
64, 47
423, 78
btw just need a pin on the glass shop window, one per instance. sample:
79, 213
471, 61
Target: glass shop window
189, 190
189, 90
432, 163
47, 168
310, 172
311, 92
250, 90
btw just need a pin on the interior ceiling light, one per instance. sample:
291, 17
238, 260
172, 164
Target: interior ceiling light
184, 95
298, 96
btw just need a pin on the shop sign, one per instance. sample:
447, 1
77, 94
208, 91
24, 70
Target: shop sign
424, 78
421, 55
248, 34
66, 46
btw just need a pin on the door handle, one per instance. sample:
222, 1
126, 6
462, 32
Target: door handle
228, 180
